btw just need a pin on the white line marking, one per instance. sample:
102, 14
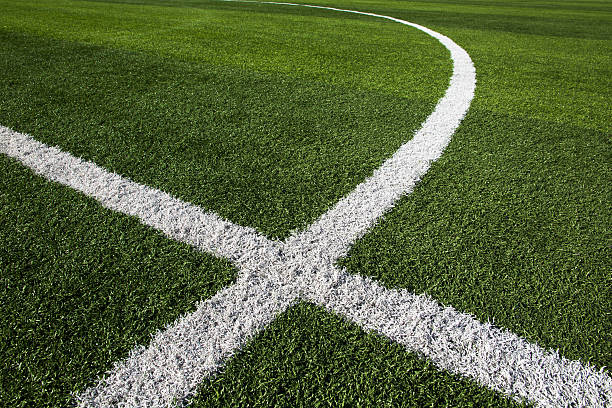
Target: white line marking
178, 358
175, 218
459, 343
275, 275
334, 232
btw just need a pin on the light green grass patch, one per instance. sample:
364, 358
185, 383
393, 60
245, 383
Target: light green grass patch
337, 48
264, 144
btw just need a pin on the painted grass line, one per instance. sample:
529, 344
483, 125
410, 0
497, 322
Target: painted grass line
173, 365
180, 356
178, 220
275, 275
336, 230
459, 343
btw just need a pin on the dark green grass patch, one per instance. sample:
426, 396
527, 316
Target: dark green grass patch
81, 286
588, 19
311, 358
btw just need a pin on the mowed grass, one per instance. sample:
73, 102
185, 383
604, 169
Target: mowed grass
81, 286
265, 118
512, 224
311, 358
225, 106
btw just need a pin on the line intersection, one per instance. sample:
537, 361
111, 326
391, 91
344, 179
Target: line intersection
274, 275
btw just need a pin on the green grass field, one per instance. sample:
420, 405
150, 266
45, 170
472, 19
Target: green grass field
268, 115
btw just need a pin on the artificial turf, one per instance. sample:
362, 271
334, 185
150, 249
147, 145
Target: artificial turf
259, 145
311, 358
225, 106
512, 223
81, 286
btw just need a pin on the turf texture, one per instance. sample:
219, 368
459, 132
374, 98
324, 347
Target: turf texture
511, 224
214, 103
310, 358
81, 287
259, 146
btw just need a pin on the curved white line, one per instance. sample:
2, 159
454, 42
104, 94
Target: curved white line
335, 231
274, 275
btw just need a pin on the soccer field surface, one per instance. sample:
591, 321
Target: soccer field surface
281, 205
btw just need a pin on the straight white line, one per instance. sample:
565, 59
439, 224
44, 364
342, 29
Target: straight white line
169, 370
274, 275
178, 220
459, 343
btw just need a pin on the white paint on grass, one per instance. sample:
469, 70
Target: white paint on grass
334, 232
178, 220
178, 358
274, 275
459, 343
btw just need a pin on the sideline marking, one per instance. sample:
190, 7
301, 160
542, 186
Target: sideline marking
274, 275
